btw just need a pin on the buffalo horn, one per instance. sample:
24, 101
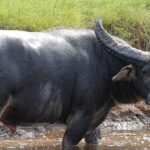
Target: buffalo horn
121, 50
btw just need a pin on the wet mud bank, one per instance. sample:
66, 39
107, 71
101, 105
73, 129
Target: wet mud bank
126, 127
128, 117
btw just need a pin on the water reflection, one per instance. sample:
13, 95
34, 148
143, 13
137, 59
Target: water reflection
75, 148
83, 147
89, 147
80, 147
116, 140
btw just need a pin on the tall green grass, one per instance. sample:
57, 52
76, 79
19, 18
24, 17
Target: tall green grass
128, 19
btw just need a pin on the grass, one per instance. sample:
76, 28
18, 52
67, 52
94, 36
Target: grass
128, 19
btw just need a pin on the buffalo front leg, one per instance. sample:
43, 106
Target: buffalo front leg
77, 127
93, 137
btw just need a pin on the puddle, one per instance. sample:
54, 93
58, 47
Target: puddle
51, 139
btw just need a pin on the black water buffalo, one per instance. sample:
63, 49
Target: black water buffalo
65, 75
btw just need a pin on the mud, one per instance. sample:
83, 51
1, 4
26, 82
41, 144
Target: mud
45, 136
128, 117
126, 127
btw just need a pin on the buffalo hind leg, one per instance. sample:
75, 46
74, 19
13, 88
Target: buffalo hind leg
93, 137
5, 111
77, 127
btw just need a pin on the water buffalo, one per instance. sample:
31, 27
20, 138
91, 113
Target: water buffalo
69, 76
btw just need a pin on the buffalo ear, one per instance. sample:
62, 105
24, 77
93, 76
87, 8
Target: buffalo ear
127, 73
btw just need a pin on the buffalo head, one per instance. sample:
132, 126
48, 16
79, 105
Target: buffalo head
139, 69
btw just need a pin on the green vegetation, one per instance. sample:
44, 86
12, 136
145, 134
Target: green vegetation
128, 19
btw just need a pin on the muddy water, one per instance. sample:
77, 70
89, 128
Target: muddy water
42, 138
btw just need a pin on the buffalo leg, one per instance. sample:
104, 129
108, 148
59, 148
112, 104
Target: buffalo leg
93, 137
76, 128
5, 109
11, 127
93, 134
4, 112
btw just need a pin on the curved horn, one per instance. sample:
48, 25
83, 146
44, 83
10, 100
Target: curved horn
120, 49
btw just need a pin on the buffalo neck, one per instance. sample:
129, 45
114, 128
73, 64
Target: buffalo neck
121, 91
109, 61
